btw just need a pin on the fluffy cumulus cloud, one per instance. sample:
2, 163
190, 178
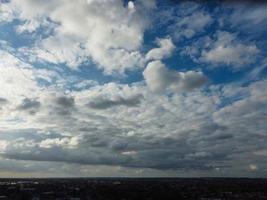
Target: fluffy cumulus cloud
165, 49
109, 32
159, 78
90, 88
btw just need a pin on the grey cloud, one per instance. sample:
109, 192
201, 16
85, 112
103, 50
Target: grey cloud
29, 134
64, 105
139, 152
3, 100
190, 150
199, 133
119, 145
30, 105
193, 79
65, 101
105, 103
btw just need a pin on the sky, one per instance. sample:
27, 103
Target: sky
144, 88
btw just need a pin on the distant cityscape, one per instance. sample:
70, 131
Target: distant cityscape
134, 189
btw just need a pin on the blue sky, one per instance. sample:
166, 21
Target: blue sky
133, 88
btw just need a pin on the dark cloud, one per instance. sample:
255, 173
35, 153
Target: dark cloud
64, 105
105, 103
30, 105
65, 101
113, 149
3, 101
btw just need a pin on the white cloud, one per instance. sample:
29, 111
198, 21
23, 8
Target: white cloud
189, 26
6, 14
227, 49
253, 167
106, 31
164, 50
159, 78
131, 6
58, 49
16, 77
60, 142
